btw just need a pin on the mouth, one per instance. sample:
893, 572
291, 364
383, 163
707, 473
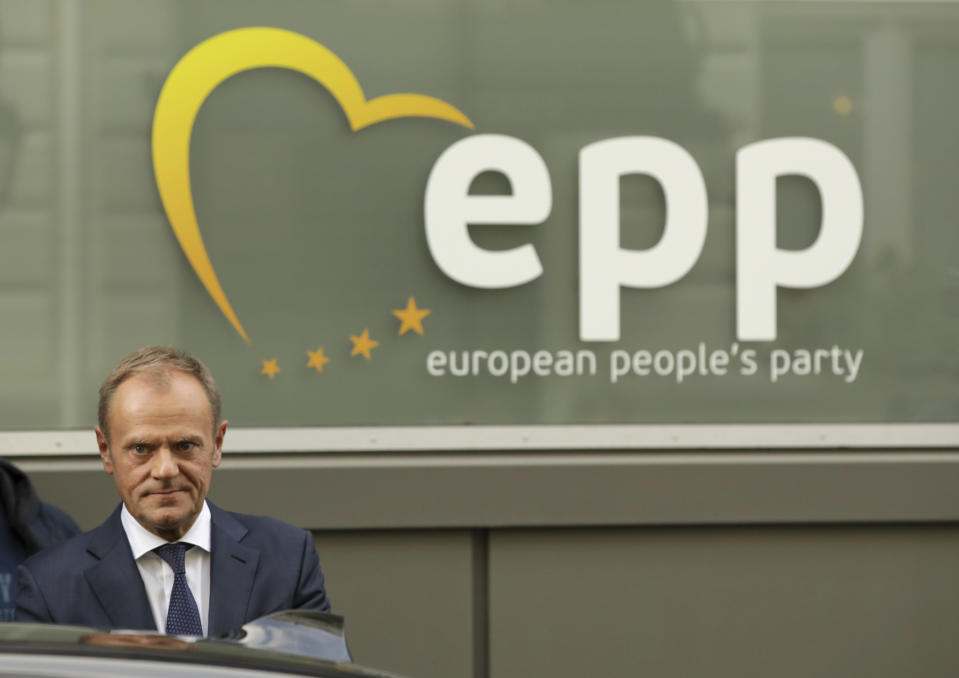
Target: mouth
165, 493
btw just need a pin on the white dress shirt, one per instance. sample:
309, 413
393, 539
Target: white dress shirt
156, 573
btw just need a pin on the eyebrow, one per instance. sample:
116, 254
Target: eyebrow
152, 442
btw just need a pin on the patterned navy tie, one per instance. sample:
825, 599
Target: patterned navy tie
182, 617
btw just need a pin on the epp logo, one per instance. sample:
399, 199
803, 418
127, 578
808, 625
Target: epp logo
449, 209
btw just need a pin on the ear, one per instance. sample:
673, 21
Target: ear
104, 446
218, 443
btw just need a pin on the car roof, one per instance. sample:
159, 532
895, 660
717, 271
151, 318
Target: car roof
42, 648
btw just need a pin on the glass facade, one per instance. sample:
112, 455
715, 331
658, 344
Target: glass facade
316, 232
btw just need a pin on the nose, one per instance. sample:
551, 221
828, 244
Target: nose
164, 464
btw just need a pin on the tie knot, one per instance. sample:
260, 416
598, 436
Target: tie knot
174, 554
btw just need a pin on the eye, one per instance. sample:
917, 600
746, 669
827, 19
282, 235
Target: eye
140, 448
185, 445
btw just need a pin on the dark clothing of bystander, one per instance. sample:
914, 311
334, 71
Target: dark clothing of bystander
27, 525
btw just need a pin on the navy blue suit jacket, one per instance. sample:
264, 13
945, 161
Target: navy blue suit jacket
258, 565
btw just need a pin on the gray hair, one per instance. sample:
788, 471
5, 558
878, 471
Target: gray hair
158, 361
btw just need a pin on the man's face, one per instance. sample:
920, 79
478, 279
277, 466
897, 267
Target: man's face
162, 449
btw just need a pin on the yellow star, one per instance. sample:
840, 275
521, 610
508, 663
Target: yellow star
317, 359
412, 317
362, 344
270, 368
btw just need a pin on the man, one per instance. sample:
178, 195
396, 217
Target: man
166, 558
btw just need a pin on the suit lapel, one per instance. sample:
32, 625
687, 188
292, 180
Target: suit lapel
115, 579
232, 571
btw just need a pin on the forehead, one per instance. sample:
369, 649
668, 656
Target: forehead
158, 398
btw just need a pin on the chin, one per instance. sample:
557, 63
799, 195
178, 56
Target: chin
169, 521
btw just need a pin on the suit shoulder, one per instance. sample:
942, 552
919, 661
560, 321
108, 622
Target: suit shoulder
262, 529
265, 523
51, 559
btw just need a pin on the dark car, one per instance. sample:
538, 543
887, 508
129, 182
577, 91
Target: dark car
281, 644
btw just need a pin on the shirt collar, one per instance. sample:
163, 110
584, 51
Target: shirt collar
142, 541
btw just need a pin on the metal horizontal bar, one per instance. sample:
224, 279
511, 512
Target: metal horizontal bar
518, 438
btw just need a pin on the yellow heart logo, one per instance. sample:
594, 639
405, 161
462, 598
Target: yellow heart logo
211, 62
